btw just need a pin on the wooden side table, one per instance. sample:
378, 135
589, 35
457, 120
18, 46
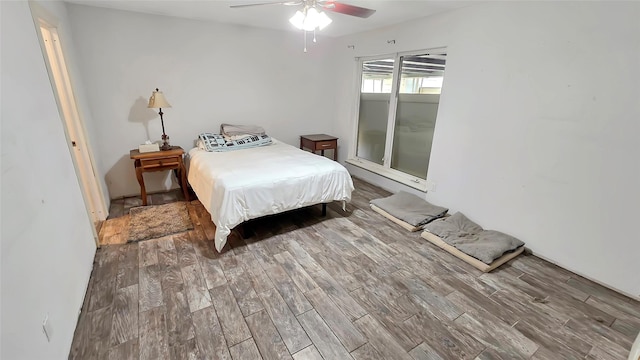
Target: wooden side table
159, 161
320, 142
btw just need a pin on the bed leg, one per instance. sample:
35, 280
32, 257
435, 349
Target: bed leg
324, 209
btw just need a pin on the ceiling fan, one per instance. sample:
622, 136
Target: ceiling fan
311, 17
329, 5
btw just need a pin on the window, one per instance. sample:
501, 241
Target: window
397, 108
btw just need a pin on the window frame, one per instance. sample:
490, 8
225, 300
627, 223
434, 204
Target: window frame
385, 169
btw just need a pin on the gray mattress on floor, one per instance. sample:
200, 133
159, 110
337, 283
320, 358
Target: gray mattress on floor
410, 208
470, 238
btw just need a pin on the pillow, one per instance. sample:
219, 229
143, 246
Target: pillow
211, 142
228, 138
217, 142
231, 130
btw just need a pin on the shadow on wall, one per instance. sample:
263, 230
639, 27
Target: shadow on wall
140, 113
121, 179
121, 176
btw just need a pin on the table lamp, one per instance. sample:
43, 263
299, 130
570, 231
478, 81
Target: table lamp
157, 101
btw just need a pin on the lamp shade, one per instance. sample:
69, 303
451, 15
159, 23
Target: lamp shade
157, 100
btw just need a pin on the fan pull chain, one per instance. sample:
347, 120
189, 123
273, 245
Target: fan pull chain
314, 35
305, 40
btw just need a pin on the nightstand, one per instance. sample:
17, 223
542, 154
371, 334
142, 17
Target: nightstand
320, 142
159, 161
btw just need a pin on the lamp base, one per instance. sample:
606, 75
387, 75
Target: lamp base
165, 143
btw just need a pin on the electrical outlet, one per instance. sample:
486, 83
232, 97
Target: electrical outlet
46, 328
431, 185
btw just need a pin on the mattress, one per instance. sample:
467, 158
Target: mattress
409, 209
240, 185
404, 224
484, 249
436, 240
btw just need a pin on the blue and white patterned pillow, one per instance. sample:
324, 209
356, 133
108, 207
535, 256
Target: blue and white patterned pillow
217, 142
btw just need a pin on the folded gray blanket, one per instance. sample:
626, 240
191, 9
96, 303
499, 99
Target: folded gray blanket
465, 235
233, 130
410, 208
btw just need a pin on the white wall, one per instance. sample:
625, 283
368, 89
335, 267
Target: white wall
209, 72
537, 131
56, 12
47, 244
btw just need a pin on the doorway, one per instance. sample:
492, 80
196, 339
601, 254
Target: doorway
67, 106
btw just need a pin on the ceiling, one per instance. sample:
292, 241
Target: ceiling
388, 12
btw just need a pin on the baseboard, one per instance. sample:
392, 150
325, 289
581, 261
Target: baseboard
631, 296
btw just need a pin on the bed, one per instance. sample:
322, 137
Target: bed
236, 186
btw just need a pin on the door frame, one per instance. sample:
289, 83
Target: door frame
64, 93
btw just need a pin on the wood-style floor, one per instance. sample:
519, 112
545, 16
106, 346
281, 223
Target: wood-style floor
350, 285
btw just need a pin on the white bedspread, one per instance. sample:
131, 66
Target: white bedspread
245, 184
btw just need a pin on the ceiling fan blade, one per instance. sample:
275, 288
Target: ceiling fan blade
347, 9
268, 3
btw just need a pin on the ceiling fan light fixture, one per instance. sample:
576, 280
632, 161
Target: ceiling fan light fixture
310, 19
323, 20
297, 20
